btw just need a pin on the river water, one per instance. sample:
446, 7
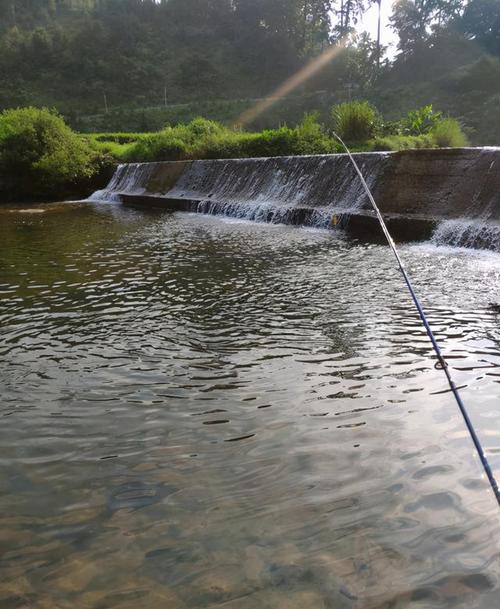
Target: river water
201, 413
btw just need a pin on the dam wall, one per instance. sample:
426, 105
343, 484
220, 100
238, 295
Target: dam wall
418, 191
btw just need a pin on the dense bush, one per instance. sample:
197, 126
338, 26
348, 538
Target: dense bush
355, 121
447, 133
40, 156
311, 137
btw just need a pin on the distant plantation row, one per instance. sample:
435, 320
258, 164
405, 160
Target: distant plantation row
41, 157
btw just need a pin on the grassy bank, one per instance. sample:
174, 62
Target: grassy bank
358, 123
42, 158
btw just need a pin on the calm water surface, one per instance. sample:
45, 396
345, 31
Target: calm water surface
199, 413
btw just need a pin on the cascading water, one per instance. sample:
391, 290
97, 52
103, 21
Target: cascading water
468, 233
129, 178
480, 227
451, 194
287, 190
307, 190
267, 212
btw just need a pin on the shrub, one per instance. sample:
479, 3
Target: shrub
40, 155
179, 142
355, 121
166, 145
447, 133
226, 147
200, 128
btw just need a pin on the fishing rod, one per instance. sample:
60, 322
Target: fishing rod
441, 363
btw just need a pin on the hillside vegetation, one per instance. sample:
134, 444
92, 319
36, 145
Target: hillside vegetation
136, 65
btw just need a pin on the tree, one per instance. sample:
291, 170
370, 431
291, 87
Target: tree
305, 23
415, 20
379, 14
481, 22
348, 13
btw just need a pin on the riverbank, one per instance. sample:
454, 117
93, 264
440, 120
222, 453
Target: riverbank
358, 123
41, 158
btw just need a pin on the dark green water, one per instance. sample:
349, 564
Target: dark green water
200, 413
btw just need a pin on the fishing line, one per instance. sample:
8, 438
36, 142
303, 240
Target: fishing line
441, 361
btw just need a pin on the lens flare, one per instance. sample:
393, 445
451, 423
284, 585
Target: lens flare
292, 83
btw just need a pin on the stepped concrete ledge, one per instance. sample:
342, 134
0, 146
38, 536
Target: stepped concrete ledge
415, 189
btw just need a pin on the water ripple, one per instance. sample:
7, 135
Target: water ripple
201, 413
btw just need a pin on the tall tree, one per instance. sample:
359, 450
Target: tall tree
481, 22
348, 13
379, 15
415, 20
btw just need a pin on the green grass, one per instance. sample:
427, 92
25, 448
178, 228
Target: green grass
118, 138
402, 142
206, 139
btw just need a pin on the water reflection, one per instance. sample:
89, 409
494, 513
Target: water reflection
200, 413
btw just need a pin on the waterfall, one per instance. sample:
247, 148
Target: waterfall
308, 182
480, 226
131, 178
466, 232
267, 212
453, 192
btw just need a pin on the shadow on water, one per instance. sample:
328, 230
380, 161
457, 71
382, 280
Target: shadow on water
202, 413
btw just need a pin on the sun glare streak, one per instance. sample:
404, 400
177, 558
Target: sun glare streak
291, 84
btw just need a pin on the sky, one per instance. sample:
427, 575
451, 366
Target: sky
369, 24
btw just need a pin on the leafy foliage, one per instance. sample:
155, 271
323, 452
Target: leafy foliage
481, 21
40, 154
420, 121
416, 20
139, 64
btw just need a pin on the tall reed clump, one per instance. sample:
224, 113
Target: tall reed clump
355, 121
447, 133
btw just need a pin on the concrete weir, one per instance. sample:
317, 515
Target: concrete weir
451, 194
